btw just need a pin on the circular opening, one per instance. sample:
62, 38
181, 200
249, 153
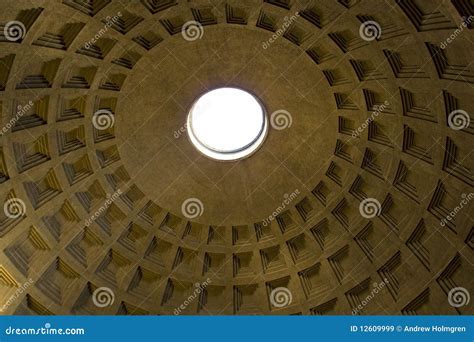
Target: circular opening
227, 124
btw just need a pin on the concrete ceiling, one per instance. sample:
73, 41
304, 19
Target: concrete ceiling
379, 120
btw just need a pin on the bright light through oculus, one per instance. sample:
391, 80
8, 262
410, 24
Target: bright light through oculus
227, 124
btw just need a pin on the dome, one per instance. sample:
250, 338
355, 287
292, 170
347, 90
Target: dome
333, 174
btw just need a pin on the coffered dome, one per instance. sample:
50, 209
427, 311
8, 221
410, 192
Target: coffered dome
354, 196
